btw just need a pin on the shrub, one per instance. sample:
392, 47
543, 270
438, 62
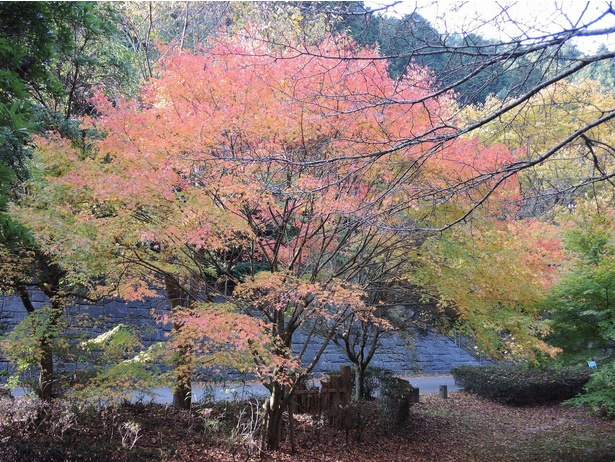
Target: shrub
600, 392
374, 380
26, 414
521, 385
396, 395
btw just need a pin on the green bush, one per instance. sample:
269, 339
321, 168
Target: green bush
521, 385
396, 395
600, 392
374, 377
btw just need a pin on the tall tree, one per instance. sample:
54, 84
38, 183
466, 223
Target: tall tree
527, 62
36, 40
231, 192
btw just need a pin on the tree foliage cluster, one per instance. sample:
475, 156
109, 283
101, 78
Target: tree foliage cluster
312, 166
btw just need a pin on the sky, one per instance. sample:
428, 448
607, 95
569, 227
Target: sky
532, 17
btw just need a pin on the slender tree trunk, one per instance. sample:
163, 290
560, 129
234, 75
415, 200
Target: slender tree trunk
279, 393
182, 363
46, 344
182, 389
46, 373
359, 382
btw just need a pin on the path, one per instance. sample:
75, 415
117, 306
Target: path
238, 391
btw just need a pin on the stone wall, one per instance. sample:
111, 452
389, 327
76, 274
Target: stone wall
428, 354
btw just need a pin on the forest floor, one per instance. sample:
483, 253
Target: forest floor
461, 428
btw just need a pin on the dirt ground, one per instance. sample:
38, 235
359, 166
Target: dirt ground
461, 428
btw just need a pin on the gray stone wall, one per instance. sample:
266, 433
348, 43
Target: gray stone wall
428, 354
424, 354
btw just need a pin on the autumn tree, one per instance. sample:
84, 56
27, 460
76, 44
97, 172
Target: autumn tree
488, 273
525, 62
493, 276
395, 300
266, 163
230, 192
513, 68
44, 49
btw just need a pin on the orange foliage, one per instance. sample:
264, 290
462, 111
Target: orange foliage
236, 155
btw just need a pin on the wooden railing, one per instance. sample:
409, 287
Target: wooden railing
333, 393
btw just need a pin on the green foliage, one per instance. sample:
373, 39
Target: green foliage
600, 392
47, 69
413, 40
602, 72
31, 35
490, 277
110, 368
24, 345
124, 382
51, 55
115, 344
521, 385
116, 368
13, 235
581, 307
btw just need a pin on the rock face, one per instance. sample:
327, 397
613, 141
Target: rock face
427, 354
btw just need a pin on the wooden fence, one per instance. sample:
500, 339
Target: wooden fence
333, 393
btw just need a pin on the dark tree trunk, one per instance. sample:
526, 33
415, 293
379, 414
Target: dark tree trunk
279, 397
182, 362
45, 383
182, 389
359, 382
46, 372
274, 412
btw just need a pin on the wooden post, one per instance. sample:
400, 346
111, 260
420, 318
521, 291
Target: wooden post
415, 395
336, 399
299, 398
443, 391
336, 384
315, 406
324, 396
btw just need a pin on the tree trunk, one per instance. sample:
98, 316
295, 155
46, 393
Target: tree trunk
274, 412
359, 382
45, 381
46, 371
182, 362
46, 343
182, 395
182, 389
